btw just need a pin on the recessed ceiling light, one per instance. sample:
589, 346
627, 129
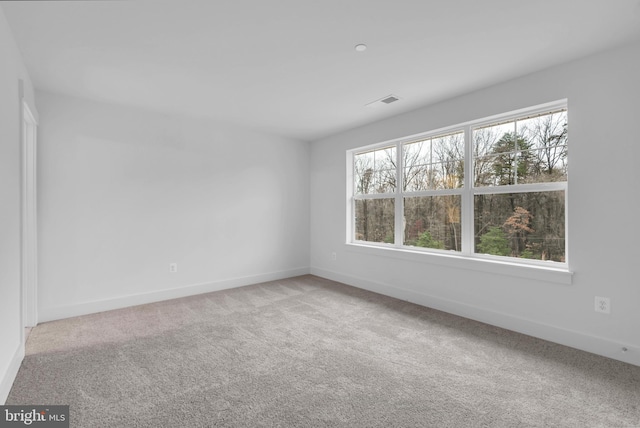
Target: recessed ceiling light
361, 47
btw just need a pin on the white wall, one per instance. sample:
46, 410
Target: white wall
125, 192
603, 92
12, 71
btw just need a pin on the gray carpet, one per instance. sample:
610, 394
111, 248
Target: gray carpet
308, 352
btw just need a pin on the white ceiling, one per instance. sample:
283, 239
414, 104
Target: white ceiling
289, 66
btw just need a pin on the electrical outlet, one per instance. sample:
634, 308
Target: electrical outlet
173, 267
603, 305
334, 256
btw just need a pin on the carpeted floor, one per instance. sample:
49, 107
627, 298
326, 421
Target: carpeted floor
308, 352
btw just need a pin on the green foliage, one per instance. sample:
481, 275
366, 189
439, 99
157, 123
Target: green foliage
426, 240
527, 254
504, 165
494, 242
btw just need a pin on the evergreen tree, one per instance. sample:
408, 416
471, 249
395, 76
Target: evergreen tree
426, 240
494, 242
514, 159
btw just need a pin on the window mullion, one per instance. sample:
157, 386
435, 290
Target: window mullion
351, 200
399, 200
467, 196
521, 188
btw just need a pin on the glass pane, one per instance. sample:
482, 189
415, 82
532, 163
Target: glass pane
530, 150
494, 160
375, 171
363, 173
434, 163
433, 222
447, 175
546, 138
496, 170
483, 171
385, 167
525, 225
417, 157
374, 220
448, 148
493, 139
543, 131
543, 165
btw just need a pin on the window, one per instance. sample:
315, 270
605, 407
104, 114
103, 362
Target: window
490, 188
375, 185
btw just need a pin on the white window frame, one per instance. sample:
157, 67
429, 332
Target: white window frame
467, 256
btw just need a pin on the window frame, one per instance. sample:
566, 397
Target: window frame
468, 192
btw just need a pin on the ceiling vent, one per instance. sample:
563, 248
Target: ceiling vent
383, 101
390, 99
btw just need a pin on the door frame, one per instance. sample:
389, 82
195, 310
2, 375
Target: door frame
29, 232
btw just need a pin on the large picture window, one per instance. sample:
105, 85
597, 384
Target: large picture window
489, 188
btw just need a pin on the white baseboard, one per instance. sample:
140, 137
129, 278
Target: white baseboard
61, 312
589, 343
10, 375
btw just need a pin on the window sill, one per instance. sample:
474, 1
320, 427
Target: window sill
555, 274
